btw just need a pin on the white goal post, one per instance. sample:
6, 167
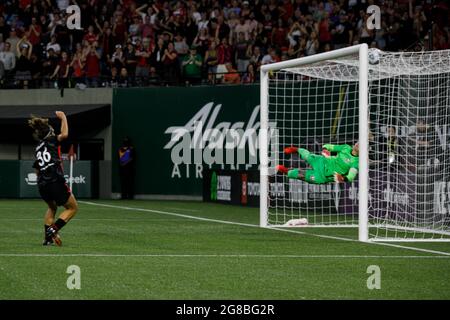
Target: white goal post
340, 97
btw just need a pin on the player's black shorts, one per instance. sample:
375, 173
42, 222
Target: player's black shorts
55, 191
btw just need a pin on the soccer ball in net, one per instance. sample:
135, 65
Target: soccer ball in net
374, 56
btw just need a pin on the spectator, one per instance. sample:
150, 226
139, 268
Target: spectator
211, 61
92, 66
192, 64
8, 58
48, 66
250, 75
90, 36
312, 45
23, 67
256, 57
317, 26
201, 41
342, 33
242, 53
130, 58
243, 27
34, 32
224, 52
113, 80
4, 29
117, 59
62, 72
279, 35
170, 62
77, 65
13, 40
124, 80
143, 52
180, 44
270, 57
2, 71
232, 76
53, 45
157, 55
135, 29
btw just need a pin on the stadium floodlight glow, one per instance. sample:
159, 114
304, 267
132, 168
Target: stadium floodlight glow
396, 105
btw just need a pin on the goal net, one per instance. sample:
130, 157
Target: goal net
396, 105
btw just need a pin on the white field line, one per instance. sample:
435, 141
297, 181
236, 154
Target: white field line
182, 209
257, 256
270, 228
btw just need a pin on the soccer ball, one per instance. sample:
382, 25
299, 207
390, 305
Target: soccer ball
374, 56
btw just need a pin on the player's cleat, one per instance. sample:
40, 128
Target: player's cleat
289, 150
281, 169
47, 242
52, 232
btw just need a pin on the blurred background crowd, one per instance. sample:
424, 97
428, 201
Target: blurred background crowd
125, 43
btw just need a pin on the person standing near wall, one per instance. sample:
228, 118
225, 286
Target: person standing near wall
126, 164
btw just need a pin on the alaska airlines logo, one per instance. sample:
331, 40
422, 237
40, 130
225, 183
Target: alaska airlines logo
203, 141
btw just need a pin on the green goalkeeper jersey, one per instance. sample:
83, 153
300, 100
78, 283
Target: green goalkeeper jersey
343, 163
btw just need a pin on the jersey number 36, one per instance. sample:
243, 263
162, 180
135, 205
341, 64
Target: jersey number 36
43, 157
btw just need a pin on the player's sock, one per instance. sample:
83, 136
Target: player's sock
59, 224
293, 174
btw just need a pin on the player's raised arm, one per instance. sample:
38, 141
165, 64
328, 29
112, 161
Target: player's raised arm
64, 126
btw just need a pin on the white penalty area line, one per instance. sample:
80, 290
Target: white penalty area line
257, 256
442, 253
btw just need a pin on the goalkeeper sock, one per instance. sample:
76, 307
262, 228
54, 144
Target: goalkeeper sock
293, 174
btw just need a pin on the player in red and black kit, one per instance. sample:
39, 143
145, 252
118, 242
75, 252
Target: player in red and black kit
51, 182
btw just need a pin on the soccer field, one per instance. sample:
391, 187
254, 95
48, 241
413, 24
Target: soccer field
193, 250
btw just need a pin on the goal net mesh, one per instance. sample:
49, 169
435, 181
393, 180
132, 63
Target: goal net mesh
409, 137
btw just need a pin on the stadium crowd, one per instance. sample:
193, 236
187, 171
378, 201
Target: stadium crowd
139, 42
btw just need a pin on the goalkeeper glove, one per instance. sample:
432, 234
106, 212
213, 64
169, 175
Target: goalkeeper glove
282, 169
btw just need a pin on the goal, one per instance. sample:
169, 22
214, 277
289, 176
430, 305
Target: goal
396, 105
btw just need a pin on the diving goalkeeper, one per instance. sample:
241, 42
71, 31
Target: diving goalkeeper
326, 168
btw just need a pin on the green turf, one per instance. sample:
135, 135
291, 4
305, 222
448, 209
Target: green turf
222, 261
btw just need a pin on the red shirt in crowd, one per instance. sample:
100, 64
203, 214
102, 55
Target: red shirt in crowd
224, 54
90, 37
92, 65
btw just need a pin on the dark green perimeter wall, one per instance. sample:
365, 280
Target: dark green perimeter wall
153, 118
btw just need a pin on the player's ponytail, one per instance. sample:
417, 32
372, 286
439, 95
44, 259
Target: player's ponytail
40, 127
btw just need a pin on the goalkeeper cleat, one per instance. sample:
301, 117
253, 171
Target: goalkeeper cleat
281, 169
289, 150
52, 232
